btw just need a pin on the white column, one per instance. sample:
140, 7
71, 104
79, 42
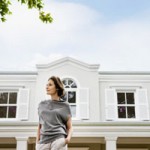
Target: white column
111, 143
21, 143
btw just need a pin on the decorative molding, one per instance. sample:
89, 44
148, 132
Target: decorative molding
111, 138
125, 80
20, 138
5, 86
25, 129
144, 124
124, 73
125, 77
92, 67
125, 86
18, 73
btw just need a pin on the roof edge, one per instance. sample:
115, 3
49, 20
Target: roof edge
66, 59
124, 72
18, 73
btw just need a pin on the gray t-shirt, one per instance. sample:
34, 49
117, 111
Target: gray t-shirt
53, 116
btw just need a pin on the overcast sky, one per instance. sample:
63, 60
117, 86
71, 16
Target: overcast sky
112, 33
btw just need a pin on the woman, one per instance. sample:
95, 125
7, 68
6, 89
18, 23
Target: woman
55, 124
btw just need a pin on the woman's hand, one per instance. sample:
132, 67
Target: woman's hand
67, 140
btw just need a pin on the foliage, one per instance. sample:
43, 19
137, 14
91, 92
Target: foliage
37, 4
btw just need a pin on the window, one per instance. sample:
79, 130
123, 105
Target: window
78, 98
14, 103
8, 104
126, 105
71, 94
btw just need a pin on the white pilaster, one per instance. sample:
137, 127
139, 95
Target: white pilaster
111, 143
21, 143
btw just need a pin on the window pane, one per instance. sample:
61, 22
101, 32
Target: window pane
70, 82
74, 85
12, 98
130, 98
3, 111
12, 112
71, 97
64, 82
121, 98
131, 112
3, 98
65, 96
121, 112
73, 110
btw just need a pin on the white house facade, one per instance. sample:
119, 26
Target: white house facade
110, 110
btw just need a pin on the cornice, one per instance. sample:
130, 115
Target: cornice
81, 129
68, 60
18, 73
18, 76
81, 123
124, 76
124, 73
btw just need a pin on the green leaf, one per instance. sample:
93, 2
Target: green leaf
45, 17
37, 4
3, 19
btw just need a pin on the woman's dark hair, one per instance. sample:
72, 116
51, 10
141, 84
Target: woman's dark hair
59, 85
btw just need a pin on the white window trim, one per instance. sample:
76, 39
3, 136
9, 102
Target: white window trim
8, 90
75, 104
79, 113
77, 94
125, 89
19, 104
125, 86
125, 105
134, 90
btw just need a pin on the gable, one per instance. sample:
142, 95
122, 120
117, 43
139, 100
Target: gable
68, 61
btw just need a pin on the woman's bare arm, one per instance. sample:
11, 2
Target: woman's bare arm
38, 133
69, 130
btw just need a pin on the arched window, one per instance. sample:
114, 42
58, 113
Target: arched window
71, 94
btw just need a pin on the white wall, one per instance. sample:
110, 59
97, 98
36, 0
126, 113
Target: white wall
116, 80
84, 77
21, 80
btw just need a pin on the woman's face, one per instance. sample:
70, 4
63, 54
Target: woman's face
50, 88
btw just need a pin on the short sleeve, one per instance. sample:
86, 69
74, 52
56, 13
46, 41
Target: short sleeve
67, 112
40, 118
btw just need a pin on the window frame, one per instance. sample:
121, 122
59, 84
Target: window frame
74, 104
9, 90
126, 105
77, 96
141, 103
